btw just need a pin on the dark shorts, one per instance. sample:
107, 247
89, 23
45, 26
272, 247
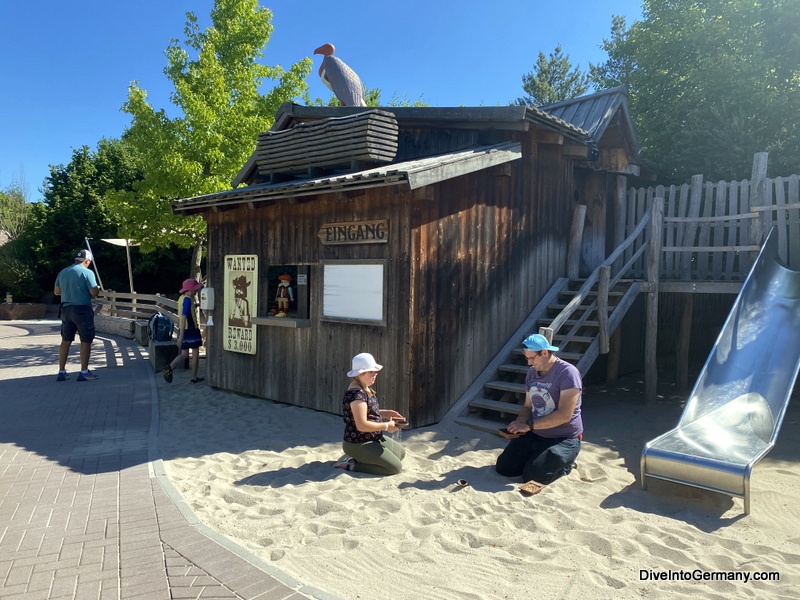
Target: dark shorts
192, 338
77, 318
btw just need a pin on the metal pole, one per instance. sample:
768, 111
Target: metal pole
94, 263
130, 272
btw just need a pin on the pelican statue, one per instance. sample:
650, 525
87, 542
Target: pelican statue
340, 78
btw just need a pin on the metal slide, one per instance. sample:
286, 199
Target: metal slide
736, 408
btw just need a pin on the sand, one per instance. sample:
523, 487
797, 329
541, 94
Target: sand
261, 473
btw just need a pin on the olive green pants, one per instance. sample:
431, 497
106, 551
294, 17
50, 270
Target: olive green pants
379, 457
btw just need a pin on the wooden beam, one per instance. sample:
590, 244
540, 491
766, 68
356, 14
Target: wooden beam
651, 327
424, 194
602, 307
574, 151
683, 343
575, 237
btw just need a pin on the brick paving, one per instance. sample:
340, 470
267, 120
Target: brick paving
86, 511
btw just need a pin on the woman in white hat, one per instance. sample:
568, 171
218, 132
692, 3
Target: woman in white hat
364, 427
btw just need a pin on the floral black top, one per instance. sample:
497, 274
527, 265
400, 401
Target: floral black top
351, 432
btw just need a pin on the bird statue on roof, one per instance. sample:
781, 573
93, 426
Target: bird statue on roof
340, 78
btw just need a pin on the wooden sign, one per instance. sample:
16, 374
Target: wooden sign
357, 232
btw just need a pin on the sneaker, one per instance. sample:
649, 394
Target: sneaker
62, 376
347, 465
168, 375
88, 376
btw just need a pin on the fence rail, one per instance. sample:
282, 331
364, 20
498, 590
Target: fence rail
713, 231
136, 306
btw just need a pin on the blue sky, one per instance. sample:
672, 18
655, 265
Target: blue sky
65, 67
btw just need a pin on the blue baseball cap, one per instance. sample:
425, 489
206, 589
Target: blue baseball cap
537, 343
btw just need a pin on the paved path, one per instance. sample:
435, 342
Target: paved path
86, 511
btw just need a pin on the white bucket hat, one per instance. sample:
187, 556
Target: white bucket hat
362, 363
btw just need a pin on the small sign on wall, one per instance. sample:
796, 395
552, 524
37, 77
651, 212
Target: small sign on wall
356, 232
241, 301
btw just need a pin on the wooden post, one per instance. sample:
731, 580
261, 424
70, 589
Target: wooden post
695, 200
575, 237
612, 367
547, 332
602, 307
651, 327
758, 197
683, 344
620, 213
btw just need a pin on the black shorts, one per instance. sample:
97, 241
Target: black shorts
77, 318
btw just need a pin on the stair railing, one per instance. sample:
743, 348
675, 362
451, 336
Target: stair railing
583, 292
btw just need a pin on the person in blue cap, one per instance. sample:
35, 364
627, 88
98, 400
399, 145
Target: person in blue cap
549, 424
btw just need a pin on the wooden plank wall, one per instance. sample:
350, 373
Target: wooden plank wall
307, 366
488, 249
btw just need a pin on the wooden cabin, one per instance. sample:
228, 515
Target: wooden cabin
421, 235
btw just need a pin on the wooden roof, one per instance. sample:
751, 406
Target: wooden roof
410, 175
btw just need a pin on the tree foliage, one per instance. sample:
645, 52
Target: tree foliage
13, 211
217, 83
711, 83
372, 97
552, 79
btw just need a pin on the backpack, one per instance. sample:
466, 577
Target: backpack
159, 328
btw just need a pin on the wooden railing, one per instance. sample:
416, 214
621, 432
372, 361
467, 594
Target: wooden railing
136, 306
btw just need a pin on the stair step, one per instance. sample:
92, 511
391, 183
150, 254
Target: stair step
512, 368
575, 339
559, 307
570, 323
505, 386
567, 356
503, 407
593, 293
480, 423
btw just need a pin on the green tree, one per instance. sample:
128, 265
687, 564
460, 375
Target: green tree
711, 83
13, 211
217, 83
75, 207
372, 97
552, 79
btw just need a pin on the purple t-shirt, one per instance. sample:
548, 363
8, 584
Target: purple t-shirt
545, 392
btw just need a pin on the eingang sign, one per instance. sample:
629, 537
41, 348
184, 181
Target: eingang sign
356, 232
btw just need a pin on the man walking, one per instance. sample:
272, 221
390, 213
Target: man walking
77, 287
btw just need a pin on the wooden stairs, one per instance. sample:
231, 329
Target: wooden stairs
570, 308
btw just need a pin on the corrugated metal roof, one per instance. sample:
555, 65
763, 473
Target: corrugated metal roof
595, 112
413, 174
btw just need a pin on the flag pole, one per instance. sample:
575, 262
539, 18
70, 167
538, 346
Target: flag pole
94, 262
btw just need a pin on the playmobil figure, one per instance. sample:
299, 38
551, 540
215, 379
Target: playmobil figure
284, 295
240, 313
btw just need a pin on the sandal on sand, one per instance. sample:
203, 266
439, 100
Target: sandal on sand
532, 487
347, 465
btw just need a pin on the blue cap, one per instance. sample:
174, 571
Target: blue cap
537, 343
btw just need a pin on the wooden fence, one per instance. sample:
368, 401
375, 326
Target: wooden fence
713, 231
139, 307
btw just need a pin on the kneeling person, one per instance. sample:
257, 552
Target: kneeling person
550, 421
